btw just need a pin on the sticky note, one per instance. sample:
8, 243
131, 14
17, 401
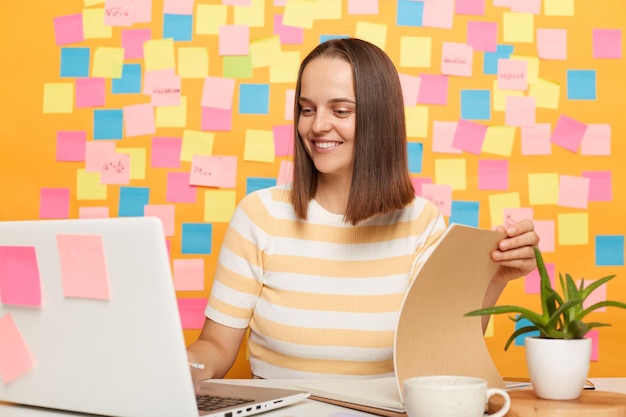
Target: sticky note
219, 120
191, 312
108, 124
164, 212
165, 152
433, 89
596, 140
457, 59
536, 139
137, 158
94, 26
543, 188
254, 98
15, 356
532, 65
609, 250
409, 13
452, 172
520, 111
159, 54
237, 67
498, 203
20, 283
285, 172
510, 216
440, 195
415, 51
438, 14
500, 96
289, 35
178, 188
164, 88
234, 40
196, 142
532, 281
546, 94
470, 7
133, 40
469, 136
83, 266
108, 62
139, 120
88, 186
217, 92
71, 146
512, 74
219, 205
172, 116
410, 88
115, 169
598, 295
75, 62
545, 230
573, 228
96, 152
594, 335
362, 7
558, 7
443, 136
58, 98
581, 84
490, 59
118, 13
252, 13
499, 140
209, 18
552, 44
68, 29
132, 201
607, 43
465, 212
188, 274
415, 152
129, 82
416, 121
482, 36
213, 171
475, 104
285, 68
283, 140
493, 174
54, 203
193, 62
255, 183
259, 146
93, 212
375, 33
518, 27
197, 238
178, 27
573, 191
600, 185
526, 6
568, 133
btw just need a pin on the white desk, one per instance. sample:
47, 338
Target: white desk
306, 408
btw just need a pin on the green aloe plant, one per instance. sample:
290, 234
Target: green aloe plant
561, 316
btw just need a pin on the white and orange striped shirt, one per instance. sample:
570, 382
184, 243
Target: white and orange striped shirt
321, 297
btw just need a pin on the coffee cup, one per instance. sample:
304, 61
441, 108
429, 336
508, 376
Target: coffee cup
450, 396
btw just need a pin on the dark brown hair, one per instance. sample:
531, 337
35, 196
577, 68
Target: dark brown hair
380, 178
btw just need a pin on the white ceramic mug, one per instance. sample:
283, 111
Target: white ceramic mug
450, 396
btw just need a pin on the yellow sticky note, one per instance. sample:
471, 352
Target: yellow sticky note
219, 205
196, 143
172, 116
58, 97
265, 51
543, 188
451, 172
93, 25
209, 18
499, 96
88, 186
489, 331
500, 202
137, 162
328, 10
300, 13
416, 51
518, 27
532, 67
259, 146
159, 54
558, 7
193, 62
108, 62
416, 121
573, 228
89, 3
499, 140
252, 15
546, 94
375, 33
285, 69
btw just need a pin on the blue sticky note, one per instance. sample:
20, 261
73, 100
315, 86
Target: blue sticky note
475, 104
253, 184
465, 212
416, 154
519, 340
108, 123
177, 26
132, 201
197, 238
409, 13
610, 250
254, 98
324, 38
490, 59
130, 83
75, 62
581, 84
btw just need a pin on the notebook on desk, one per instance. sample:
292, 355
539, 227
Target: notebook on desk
432, 335
89, 322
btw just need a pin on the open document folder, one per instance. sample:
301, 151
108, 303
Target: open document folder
433, 337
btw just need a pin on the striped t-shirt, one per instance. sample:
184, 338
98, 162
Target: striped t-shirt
321, 297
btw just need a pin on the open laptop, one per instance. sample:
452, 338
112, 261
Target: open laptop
432, 335
89, 322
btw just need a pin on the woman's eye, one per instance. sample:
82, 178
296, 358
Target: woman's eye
305, 111
342, 112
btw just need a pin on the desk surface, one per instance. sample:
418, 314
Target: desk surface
306, 408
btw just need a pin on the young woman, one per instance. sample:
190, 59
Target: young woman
317, 269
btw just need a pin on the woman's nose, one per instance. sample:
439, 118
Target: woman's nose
321, 123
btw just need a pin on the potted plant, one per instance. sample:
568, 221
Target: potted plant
558, 358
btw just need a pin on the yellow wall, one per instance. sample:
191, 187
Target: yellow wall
28, 135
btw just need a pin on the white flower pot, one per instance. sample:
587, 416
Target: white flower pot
558, 367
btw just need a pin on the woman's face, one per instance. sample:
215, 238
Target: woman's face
327, 119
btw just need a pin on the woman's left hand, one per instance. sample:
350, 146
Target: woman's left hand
515, 255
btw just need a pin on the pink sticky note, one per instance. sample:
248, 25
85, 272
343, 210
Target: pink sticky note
532, 282
536, 139
512, 74
90, 92
482, 36
596, 140
237, 2
470, 7
552, 43
234, 40
568, 133
289, 35
219, 120
19, 276
363, 7
607, 43
600, 185
218, 92
188, 274
166, 91
443, 136
545, 229
69, 29
83, 266
93, 212
96, 152
285, 173
433, 89
573, 191
418, 182
178, 188
71, 146
139, 120
133, 40
166, 213
290, 96
598, 295
520, 111
156, 78
213, 171
142, 11
440, 195
178, 7
283, 140
166, 152
438, 14
510, 216
526, 6
410, 88
15, 356
54, 203
469, 136
118, 13
457, 59
493, 174
192, 312
115, 169
594, 335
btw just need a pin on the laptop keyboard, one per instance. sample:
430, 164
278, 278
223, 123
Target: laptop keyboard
211, 402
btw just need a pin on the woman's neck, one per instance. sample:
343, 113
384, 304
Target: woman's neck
332, 194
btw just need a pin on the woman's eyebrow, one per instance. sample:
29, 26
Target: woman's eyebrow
334, 100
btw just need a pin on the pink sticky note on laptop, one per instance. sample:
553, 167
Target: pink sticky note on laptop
19, 276
15, 357
83, 266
